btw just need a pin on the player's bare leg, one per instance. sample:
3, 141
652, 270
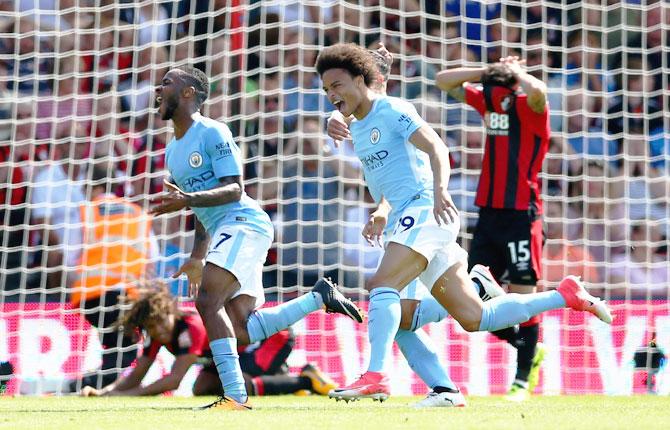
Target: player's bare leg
399, 266
525, 341
218, 286
452, 290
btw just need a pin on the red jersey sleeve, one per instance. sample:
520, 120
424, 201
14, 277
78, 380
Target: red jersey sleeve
538, 122
151, 348
197, 335
475, 98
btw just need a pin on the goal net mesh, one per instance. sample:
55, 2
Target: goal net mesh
77, 80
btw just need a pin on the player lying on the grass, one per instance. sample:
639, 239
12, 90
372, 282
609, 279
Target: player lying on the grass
156, 314
406, 165
205, 165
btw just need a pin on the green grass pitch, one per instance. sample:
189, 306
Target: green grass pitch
316, 413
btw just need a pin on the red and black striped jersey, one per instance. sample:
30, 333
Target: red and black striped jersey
189, 337
517, 139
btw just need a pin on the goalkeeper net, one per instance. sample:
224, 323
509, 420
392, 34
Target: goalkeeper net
76, 96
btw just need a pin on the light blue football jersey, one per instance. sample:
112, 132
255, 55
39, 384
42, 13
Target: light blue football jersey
393, 167
206, 153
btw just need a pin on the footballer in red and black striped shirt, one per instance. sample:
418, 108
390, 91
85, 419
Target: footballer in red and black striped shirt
183, 333
508, 236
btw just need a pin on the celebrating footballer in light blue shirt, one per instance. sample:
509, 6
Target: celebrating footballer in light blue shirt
232, 234
388, 138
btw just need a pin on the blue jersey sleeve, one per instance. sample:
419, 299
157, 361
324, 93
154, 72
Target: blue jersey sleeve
224, 153
407, 119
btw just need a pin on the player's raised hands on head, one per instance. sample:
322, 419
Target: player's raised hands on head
514, 63
385, 53
192, 268
173, 199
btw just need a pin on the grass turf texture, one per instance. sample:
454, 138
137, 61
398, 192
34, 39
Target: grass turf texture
295, 413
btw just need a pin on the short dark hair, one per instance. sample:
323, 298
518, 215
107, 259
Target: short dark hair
498, 75
198, 80
382, 63
354, 59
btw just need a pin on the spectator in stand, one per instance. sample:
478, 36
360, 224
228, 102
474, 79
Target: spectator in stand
585, 137
309, 216
118, 246
57, 192
463, 185
560, 166
302, 86
636, 112
182, 332
561, 256
66, 103
267, 126
19, 44
645, 187
13, 219
641, 272
476, 14
596, 213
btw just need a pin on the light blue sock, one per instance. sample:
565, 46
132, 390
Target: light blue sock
429, 310
265, 322
421, 356
383, 323
224, 353
510, 309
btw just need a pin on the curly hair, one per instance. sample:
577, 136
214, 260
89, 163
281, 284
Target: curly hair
198, 80
348, 56
499, 75
150, 305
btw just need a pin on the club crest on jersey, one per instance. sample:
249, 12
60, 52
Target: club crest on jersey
375, 135
195, 160
505, 103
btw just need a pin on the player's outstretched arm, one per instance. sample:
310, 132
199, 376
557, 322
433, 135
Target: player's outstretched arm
429, 142
452, 80
167, 383
123, 383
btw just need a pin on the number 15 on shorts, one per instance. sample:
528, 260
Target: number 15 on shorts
519, 253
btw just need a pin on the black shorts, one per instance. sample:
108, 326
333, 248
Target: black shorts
267, 358
508, 241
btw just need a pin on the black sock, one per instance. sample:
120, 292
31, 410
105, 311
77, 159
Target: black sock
527, 341
509, 334
440, 389
280, 384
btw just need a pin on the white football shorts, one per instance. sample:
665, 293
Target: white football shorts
241, 251
417, 229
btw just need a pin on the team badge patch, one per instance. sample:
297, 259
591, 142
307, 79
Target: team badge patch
195, 159
184, 340
375, 134
505, 103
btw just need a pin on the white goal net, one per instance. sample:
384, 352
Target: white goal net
77, 81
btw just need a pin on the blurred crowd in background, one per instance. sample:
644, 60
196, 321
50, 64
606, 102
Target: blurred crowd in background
77, 81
